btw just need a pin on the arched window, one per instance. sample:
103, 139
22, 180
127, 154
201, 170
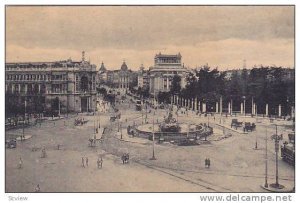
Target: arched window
84, 84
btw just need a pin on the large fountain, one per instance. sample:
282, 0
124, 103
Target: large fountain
170, 130
169, 124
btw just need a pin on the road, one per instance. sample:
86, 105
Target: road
235, 166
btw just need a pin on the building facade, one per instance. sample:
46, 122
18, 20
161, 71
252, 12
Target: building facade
121, 79
102, 74
163, 71
61, 86
143, 78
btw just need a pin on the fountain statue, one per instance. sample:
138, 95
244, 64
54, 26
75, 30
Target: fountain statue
169, 124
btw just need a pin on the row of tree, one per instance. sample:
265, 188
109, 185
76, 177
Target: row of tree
264, 85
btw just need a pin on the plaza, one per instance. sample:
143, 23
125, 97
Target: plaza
235, 165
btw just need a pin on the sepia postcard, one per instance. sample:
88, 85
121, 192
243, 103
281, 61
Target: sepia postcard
156, 98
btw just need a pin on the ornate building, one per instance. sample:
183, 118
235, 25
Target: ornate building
165, 67
121, 79
52, 87
102, 74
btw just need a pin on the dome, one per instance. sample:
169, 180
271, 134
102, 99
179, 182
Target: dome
102, 68
124, 66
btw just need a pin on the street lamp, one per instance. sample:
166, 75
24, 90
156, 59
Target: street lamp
153, 136
276, 185
266, 160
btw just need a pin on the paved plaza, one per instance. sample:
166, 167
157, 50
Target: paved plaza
235, 165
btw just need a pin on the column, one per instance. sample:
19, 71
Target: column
196, 104
12, 88
229, 108
193, 105
279, 110
204, 107
167, 83
267, 109
19, 88
242, 105
199, 106
217, 107
39, 88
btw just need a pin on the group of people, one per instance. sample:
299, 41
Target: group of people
207, 163
85, 162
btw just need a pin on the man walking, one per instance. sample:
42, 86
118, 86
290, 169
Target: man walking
87, 161
20, 163
82, 161
38, 189
101, 162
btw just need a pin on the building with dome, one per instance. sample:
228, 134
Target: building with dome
122, 79
102, 74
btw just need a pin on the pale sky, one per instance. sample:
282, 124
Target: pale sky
221, 36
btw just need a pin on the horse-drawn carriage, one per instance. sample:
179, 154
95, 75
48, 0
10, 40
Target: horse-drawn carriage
235, 123
288, 150
11, 143
130, 130
80, 121
249, 126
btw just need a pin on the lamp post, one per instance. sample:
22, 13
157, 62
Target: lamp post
276, 185
266, 160
121, 131
276, 151
23, 131
153, 136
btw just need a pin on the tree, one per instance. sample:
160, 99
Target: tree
176, 85
164, 97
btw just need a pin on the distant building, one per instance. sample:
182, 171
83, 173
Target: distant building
163, 71
121, 79
102, 74
143, 78
60, 86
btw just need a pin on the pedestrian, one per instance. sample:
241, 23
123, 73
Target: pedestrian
101, 162
58, 147
208, 163
87, 161
82, 161
205, 162
20, 163
38, 189
98, 163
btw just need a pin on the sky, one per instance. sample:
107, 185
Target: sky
220, 36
